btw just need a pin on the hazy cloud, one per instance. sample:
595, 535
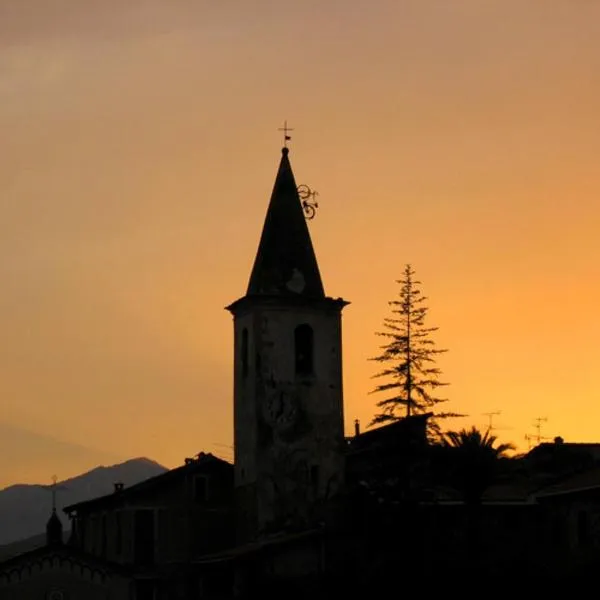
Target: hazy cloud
139, 146
33, 457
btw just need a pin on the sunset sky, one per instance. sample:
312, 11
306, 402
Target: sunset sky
138, 150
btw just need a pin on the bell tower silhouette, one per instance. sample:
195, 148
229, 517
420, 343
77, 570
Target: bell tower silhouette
288, 397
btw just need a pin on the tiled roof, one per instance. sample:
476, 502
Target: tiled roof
260, 545
204, 462
396, 432
579, 482
61, 553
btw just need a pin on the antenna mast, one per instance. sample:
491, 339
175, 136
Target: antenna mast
490, 416
538, 427
537, 437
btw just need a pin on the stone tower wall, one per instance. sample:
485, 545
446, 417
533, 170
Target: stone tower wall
289, 426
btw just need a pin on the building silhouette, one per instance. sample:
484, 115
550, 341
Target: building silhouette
304, 511
288, 398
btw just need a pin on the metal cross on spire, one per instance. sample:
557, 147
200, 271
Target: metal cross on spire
54, 488
286, 137
54, 480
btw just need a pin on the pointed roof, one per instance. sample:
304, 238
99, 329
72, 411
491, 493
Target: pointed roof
204, 463
54, 529
285, 263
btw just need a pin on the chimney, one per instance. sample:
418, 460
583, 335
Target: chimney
356, 427
119, 487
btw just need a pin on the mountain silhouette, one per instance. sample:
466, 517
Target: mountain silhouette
25, 509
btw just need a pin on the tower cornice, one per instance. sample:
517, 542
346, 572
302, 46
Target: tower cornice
274, 301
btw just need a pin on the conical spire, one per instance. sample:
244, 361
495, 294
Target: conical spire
285, 263
54, 529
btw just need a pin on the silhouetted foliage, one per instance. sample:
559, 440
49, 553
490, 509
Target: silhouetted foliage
473, 460
409, 356
472, 465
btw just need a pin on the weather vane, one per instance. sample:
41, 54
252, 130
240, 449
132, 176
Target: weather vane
286, 137
306, 196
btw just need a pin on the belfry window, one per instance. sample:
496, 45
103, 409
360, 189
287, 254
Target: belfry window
244, 352
304, 349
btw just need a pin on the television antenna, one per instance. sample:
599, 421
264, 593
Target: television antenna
538, 427
537, 437
490, 416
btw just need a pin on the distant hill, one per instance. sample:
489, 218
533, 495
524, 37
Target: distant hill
16, 548
24, 509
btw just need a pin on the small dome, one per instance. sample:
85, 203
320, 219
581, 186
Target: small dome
54, 529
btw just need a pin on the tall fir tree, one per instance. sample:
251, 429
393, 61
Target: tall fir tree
409, 356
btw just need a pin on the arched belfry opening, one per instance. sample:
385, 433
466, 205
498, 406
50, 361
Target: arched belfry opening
304, 349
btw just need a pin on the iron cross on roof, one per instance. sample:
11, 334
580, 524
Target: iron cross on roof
53, 489
286, 137
54, 482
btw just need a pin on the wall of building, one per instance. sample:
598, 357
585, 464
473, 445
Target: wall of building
76, 583
296, 560
289, 437
183, 525
572, 522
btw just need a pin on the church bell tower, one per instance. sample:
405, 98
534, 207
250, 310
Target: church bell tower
288, 399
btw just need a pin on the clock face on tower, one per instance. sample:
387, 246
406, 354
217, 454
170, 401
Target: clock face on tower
281, 409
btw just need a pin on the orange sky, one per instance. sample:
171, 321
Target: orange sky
139, 146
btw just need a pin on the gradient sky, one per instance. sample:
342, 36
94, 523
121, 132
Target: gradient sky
138, 150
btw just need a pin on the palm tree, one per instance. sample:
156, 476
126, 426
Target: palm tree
474, 460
